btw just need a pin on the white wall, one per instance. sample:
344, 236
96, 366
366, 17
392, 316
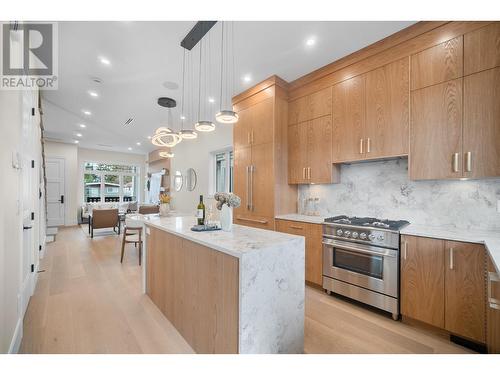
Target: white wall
70, 154
196, 154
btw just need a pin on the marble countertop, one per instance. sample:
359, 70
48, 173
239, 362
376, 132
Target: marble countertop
240, 241
303, 218
490, 239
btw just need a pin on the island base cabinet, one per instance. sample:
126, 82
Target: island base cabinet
493, 309
196, 288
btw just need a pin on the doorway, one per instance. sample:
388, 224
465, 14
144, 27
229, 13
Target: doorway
54, 170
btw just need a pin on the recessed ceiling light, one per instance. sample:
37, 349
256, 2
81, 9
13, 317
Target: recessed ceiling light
93, 94
130, 148
310, 42
211, 100
149, 137
78, 134
83, 126
76, 141
183, 117
86, 112
247, 78
138, 143
104, 60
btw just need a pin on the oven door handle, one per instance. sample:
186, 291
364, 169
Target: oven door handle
359, 250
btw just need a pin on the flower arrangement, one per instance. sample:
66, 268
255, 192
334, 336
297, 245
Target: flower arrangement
164, 198
229, 199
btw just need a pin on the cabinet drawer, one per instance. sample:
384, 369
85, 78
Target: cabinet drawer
291, 227
254, 221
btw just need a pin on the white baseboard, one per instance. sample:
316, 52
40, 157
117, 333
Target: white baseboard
15, 343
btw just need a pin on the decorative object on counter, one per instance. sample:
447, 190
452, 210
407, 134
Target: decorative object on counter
225, 203
164, 204
205, 228
191, 179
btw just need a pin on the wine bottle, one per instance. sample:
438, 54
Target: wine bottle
201, 212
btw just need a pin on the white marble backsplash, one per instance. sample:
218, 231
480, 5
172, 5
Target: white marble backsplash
383, 189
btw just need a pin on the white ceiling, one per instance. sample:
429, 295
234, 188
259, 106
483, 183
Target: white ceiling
144, 55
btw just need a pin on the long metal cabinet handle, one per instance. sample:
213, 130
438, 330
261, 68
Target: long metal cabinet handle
451, 258
308, 173
406, 250
252, 169
248, 188
361, 146
368, 144
468, 161
248, 137
494, 303
296, 227
252, 220
455, 162
304, 173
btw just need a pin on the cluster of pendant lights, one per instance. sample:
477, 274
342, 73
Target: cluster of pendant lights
166, 137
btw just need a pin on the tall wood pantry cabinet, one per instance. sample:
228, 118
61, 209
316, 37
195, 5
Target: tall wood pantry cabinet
260, 157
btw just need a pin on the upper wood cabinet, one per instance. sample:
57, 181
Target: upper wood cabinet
310, 152
493, 309
443, 284
481, 126
465, 290
349, 116
310, 107
255, 124
422, 280
371, 114
387, 110
437, 64
482, 49
436, 132
313, 234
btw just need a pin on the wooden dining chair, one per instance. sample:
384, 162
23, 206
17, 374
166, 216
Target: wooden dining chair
132, 233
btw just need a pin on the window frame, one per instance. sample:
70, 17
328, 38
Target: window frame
120, 175
213, 169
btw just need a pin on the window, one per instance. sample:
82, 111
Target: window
224, 163
110, 182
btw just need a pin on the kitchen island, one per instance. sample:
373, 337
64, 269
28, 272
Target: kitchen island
227, 292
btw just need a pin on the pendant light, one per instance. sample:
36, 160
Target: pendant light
185, 133
202, 125
166, 154
225, 116
165, 136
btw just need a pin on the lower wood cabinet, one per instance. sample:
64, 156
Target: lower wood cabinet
443, 284
493, 309
314, 248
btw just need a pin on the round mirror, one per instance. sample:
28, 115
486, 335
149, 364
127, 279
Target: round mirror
190, 179
178, 181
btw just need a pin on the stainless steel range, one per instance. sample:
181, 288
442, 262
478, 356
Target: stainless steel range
361, 260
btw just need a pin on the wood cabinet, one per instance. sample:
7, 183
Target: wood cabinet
481, 125
260, 160
422, 280
436, 132
310, 152
371, 114
493, 309
348, 107
310, 107
313, 234
482, 49
443, 284
437, 64
465, 290
387, 110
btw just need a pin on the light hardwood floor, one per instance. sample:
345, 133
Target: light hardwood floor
87, 302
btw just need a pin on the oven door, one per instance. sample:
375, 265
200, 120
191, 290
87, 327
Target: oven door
369, 267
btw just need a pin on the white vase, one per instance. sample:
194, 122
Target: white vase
164, 209
226, 218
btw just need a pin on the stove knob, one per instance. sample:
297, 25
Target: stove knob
362, 236
347, 233
339, 232
354, 234
380, 237
371, 237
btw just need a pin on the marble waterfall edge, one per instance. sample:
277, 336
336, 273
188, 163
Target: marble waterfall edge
272, 294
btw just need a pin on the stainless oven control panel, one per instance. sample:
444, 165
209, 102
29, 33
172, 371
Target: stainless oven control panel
376, 237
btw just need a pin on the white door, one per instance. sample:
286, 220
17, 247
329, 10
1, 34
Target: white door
54, 170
